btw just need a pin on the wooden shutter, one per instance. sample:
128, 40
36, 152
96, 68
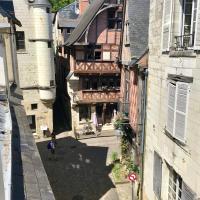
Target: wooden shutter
181, 110
171, 108
187, 193
197, 31
157, 175
166, 29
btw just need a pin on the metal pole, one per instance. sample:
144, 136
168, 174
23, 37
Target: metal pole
132, 191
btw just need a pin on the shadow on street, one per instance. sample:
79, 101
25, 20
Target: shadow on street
79, 172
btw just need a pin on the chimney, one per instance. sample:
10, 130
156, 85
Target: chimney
83, 4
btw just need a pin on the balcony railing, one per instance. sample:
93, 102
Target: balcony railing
96, 67
184, 41
94, 96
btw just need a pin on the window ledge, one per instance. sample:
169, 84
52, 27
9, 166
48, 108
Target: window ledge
22, 52
179, 143
182, 53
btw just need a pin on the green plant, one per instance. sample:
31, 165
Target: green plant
114, 157
57, 4
125, 148
117, 171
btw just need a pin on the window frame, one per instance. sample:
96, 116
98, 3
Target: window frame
175, 181
19, 41
85, 106
183, 13
158, 158
127, 39
175, 111
34, 106
115, 20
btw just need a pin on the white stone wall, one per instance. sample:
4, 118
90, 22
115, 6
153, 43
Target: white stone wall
29, 63
184, 159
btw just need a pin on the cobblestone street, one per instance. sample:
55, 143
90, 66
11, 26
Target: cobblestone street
81, 169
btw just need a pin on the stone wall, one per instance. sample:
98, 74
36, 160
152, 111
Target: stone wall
28, 69
185, 159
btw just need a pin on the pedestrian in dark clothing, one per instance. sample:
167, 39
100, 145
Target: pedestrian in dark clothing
51, 148
53, 138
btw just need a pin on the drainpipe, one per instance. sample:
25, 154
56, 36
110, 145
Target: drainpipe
145, 74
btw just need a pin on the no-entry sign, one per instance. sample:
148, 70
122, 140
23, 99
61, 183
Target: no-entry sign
132, 177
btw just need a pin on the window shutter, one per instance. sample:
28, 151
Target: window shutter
171, 108
166, 29
181, 109
157, 175
197, 31
187, 193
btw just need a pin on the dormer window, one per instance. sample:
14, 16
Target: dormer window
114, 19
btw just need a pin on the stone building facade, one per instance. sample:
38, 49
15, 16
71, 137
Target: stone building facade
36, 62
172, 159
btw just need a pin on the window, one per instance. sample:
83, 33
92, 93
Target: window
97, 55
177, 109
49, 44
48, 10
114, 19
189, 8
177, 189
127, 85
120, 1
111, 18
125, 107
20, 40
34, 106
157, 175
32, 124
111, 24
86, 84
94, 84
127, 41
93, 52
84, 112
52, 83
186, 33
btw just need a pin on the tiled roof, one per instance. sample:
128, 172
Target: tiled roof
68, 16
138, 16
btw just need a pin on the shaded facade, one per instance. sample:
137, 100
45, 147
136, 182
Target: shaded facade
93, 51
134, 60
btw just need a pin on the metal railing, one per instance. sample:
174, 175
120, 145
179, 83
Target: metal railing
184, 41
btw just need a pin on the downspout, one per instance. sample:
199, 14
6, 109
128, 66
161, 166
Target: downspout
145, 73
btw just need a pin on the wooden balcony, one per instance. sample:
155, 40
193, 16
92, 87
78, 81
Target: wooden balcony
96, 96
96, 67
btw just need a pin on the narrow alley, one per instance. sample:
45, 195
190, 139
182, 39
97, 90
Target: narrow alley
85, 163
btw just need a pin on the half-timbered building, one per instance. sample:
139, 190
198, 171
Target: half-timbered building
93, 51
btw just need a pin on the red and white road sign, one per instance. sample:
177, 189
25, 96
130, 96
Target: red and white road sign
132, 177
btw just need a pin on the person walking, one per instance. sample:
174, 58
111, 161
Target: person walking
53, 138
51, 148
